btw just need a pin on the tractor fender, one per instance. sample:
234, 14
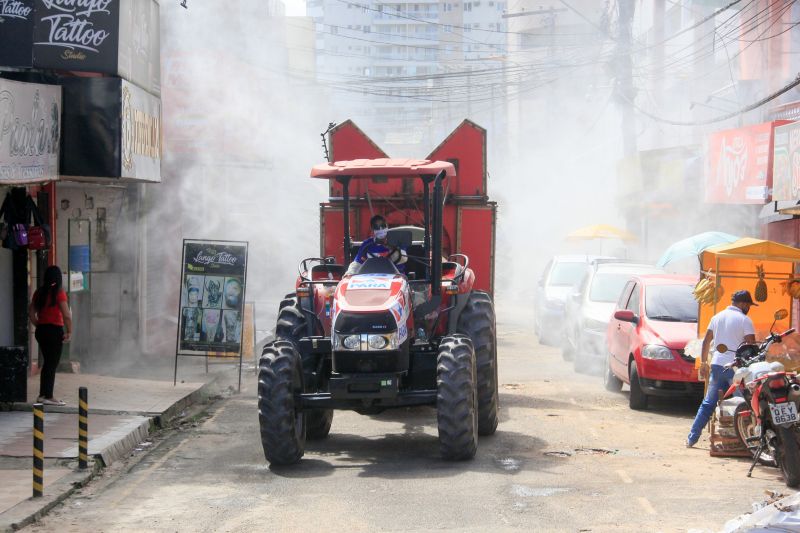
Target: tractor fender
459, 302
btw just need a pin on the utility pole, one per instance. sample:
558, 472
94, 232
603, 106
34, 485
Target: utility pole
623, 85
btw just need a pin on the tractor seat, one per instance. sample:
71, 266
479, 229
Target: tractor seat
378, 265
451, 269
327, 272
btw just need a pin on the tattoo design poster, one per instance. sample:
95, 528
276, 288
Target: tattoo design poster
213, 280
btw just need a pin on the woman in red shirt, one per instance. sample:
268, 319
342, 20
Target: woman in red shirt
50, 313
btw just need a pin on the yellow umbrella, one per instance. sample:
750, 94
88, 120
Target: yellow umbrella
601, 231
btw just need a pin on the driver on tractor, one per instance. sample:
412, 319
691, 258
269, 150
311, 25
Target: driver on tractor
378, 246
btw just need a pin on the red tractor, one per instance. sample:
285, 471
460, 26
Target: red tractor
368, 338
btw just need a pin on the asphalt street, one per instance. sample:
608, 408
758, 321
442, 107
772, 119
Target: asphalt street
568, 456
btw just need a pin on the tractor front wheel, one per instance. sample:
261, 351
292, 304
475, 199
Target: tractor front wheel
281, 420
477, 322
457, 398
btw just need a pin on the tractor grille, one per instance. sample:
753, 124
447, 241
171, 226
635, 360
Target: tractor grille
358, 362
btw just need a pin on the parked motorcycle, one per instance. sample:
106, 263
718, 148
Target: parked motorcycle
767, 421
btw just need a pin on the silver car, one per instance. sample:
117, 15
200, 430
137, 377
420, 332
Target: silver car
589, 308
555, 285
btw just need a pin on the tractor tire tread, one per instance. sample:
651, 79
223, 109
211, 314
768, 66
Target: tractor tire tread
278, 369
477, 321
456, 408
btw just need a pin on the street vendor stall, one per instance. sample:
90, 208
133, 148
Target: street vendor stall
764, 268
768, 270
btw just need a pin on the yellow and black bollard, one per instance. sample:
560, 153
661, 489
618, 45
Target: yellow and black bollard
38, 450
83, 428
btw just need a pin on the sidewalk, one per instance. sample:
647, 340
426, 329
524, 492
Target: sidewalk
122, 414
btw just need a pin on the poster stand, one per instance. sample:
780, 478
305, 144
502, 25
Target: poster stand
211, 306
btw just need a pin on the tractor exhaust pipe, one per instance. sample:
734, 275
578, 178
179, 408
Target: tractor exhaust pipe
436, 253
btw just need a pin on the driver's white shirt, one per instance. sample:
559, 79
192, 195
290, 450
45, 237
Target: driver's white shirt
729, 328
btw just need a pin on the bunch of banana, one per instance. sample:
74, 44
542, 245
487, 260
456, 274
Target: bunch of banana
707, 292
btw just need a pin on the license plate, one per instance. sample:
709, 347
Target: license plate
783, 413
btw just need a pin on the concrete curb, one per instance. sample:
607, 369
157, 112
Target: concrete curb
30, 510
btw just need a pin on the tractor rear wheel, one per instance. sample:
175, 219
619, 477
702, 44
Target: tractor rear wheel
292, 325
477, 321
457, 398
281, 419
318, 423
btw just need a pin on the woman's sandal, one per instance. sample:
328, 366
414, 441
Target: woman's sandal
53, 401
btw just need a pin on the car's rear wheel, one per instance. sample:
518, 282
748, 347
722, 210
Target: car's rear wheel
638, 398
579, 359
610, 381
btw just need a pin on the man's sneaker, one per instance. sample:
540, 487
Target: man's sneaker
690, 443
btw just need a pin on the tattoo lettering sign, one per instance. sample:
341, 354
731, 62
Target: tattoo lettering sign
16, 33
212, 297
30, 132
76, 35
119, 37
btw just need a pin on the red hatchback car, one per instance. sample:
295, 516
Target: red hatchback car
654, 319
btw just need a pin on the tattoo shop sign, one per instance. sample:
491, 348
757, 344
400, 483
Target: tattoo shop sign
16, 33
30, 131
118, 37
213, 281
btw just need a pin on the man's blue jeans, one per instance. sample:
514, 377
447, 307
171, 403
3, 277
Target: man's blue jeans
720, 381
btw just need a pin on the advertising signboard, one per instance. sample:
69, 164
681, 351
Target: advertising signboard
213, 281
30, 131
117, 115
739, 165
16, 33
786, 163
118, 37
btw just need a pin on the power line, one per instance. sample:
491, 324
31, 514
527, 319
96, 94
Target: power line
721, 118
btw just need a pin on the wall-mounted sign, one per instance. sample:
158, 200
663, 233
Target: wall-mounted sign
16, 33
117, 115
110, 36
213, 281
786, 163
739, 165
30, 131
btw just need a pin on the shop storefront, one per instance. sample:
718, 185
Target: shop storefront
101, 242
786, 185
30, 134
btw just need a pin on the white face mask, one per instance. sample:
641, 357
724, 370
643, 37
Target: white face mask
381, 233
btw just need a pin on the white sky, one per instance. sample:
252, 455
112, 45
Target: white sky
295, 8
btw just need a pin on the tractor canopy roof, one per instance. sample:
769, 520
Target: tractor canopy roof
390, 168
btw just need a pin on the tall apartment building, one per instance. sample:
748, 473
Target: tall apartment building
400, 69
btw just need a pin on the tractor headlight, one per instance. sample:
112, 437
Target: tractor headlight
367, 341
656, 351
377, 342
352, 342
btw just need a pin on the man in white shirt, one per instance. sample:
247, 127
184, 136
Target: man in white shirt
732, 328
